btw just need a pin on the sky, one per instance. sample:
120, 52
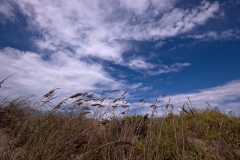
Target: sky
149, 48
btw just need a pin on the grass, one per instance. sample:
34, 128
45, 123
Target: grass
83, 127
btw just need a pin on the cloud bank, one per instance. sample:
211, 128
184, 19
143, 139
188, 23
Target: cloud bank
225, 97
37, 76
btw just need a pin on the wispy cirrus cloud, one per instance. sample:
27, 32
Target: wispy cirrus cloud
141, 65
6, 11
176, 67
140, 87
173, 23
230, 34
160, 44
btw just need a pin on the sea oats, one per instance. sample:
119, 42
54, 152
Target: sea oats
76, 95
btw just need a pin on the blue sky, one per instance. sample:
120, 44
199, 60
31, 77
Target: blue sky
174, 48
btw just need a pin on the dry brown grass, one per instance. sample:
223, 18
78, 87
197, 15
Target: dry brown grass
83, 126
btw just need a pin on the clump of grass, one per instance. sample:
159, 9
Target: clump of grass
83, 126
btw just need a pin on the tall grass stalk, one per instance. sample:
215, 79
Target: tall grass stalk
85, 127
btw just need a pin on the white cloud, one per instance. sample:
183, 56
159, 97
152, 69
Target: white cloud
45, 44
210, 34
214, 35
226, 97
176, 22
176, 67
138, 6
7, 10
139, 64
98, 28
160, 44
162, 5
136, 85
139, 87
93, 28
152, 7
230, 34
79, 24
38, 76
220, 96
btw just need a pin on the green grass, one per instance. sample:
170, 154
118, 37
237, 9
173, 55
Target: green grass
79, 131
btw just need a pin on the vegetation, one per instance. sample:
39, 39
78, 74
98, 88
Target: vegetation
84, 127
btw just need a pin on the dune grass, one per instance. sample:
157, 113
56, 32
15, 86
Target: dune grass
83, 127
